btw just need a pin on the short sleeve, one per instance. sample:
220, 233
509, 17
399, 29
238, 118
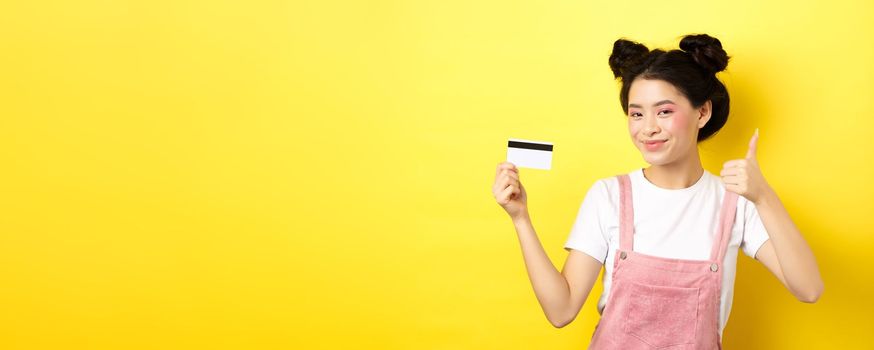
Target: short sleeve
587, 234
754, 234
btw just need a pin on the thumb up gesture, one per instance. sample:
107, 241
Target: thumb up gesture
742, 176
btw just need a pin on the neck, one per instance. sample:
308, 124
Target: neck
678, 175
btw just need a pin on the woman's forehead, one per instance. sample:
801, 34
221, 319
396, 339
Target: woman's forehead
645, 93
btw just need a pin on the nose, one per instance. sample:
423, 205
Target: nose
650, 126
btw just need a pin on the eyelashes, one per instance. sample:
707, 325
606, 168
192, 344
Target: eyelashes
637, 115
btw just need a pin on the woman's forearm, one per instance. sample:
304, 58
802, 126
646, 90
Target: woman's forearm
550, 287
797, 261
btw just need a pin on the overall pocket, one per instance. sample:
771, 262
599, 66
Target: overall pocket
662, 316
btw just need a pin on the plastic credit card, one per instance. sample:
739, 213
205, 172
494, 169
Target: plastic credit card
530, 154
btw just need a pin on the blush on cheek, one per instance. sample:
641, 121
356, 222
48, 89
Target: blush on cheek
633, 128
678, 124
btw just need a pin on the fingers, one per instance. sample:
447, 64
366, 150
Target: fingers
731, 171
506, 174
505, 165
504, 179
738, 188
507, 185
506, 169
507, 194
731, 180
510, 174
751, 153
734, 175
736, 163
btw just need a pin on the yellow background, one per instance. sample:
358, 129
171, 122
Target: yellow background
317, 175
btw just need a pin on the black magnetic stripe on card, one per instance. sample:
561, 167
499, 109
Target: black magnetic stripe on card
529, 145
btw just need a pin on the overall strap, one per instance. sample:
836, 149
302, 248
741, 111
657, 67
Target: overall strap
723, 229
626, 214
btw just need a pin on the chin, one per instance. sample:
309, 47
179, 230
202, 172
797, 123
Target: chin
654, 161
661, 157
655, 158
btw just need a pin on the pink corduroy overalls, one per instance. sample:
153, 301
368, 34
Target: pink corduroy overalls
661, 303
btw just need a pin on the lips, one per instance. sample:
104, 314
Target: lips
653, 145
650, 142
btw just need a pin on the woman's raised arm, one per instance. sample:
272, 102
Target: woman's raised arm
561, 295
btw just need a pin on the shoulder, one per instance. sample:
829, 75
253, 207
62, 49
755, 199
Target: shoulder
606, 190
607, 186
599, 190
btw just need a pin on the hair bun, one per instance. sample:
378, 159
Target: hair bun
625, 54
706, 51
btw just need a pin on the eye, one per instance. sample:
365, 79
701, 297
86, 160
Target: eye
667, 111
635, 115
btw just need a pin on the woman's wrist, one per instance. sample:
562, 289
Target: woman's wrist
768, 197
521, 217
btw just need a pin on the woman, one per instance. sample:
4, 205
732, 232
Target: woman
669, 247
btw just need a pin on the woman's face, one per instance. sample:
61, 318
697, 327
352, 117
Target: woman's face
662, 122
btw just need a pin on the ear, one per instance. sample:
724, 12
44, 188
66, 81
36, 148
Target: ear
704, 113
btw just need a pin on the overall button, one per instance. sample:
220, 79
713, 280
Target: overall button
714, 267
623, 256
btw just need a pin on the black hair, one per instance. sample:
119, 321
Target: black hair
691, 69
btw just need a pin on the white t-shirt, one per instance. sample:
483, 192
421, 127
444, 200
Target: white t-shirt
669, 223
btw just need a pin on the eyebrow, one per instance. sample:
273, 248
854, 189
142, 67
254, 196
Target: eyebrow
662, 102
